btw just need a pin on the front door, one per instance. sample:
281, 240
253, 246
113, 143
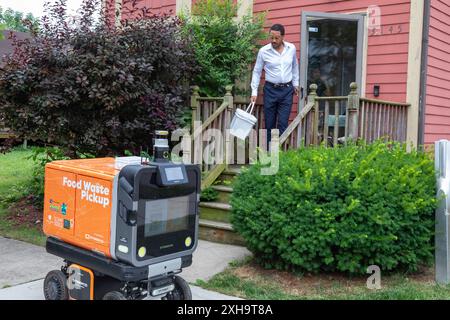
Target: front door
331, 53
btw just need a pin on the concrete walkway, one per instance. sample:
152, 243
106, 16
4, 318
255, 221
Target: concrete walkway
21, 262
23, 267
33, 291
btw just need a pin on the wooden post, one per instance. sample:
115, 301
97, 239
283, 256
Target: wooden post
307, 127
302, 131
325, 123
315, 125
313, 94
228, 149
229, 96
337, 112
351, 126
195, 104
197, 137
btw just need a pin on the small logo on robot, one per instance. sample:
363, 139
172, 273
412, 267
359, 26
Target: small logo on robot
64, 209
54, 206
90, 237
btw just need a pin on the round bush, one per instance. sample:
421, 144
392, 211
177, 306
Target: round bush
340, 209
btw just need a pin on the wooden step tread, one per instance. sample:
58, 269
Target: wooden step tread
216, 224
216, 205
222, 188
232, 170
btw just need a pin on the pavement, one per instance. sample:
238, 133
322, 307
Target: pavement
23, 267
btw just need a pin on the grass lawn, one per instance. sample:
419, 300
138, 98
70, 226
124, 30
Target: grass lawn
247, 280
15, 175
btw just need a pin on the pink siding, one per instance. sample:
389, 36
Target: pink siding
387, 56
157, 6
437, 110
160, 6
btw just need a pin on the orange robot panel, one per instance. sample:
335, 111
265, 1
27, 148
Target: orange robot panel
78, 202
59, 205
93, 213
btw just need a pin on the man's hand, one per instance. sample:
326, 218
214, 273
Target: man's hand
297, 91
253, 99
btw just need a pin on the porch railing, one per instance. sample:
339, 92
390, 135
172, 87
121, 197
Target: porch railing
215, 113
336, 120
210, 114
379, 118
329, 120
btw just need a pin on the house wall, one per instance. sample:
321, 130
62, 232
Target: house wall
157, 6
160, 6
386, 50
437, 109
392, 53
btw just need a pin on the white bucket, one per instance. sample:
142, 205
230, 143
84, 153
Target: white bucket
243, 122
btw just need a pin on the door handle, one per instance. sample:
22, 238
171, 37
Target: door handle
128, 216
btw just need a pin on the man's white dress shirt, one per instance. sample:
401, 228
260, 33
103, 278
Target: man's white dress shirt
280, 67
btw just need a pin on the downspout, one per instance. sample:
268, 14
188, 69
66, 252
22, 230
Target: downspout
423, 72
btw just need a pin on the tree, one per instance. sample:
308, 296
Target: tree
224, 46
91, 87
16, 21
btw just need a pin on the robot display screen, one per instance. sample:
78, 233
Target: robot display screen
174, 173
166, 215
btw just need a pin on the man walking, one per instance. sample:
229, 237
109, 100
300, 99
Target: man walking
279, 61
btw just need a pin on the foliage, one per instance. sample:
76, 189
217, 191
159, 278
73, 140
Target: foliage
90, 86
41, 156
209, 194
340, 209
224, 47
17, 21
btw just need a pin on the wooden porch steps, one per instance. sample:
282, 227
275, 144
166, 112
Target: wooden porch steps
219, 232
215, 211
227, 177
215, 215
224, 193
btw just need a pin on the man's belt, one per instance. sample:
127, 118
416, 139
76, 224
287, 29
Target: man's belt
279, 85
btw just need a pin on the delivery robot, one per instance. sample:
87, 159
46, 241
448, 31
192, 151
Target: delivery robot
124, 227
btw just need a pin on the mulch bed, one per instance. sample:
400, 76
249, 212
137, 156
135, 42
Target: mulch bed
25, 213
313, 283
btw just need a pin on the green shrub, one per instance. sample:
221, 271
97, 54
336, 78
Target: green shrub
16, 21
209, 194
41, 156
224, 47
340, 209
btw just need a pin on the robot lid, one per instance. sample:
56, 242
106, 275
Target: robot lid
104, 168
